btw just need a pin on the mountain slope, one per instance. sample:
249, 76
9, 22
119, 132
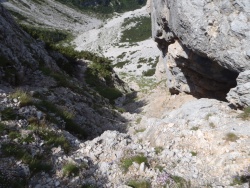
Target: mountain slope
51, 14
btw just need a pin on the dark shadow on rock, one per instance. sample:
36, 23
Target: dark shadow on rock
204, 77
132, 104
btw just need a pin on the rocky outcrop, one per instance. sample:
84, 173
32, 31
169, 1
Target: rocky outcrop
19, 53
205, 44
240, 95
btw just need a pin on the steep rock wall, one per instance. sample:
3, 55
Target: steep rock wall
20, 54
205, 44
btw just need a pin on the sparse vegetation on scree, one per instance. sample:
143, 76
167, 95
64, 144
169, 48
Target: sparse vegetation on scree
99, 72
141, 30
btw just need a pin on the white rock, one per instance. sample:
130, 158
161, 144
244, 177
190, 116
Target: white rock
142, 167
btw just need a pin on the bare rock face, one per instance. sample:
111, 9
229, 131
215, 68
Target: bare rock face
205, 44
20, 54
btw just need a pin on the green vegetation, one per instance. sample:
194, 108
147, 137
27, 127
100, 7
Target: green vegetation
24, 98
158, 150
70, 126
70, 169
127, 162
149, 72
246, 114
139, 32
20, 153
121, 56
194, 128
88, 186
8, 114
105, 7
207, 116
181, 182
139, 130
49, 36
212, 125
121, 64
138, 120
239, 180
109, 93
193, 153
159, 167
231, 137
100, 69
139, 184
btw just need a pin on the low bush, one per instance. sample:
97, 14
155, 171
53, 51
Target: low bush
70, 169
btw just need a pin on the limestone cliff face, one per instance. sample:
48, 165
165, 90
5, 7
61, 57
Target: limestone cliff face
205, 44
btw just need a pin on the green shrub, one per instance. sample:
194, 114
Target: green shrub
149, 72
139, 184
70, 169
127, 162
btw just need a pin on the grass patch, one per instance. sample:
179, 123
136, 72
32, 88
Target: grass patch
8, 114
138, 120
158, 150
246, 114
70, 169
54, 140
231, 137
139, 184
159, 167
35, 164
70, 125
181, 182
127, 162
24, 98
